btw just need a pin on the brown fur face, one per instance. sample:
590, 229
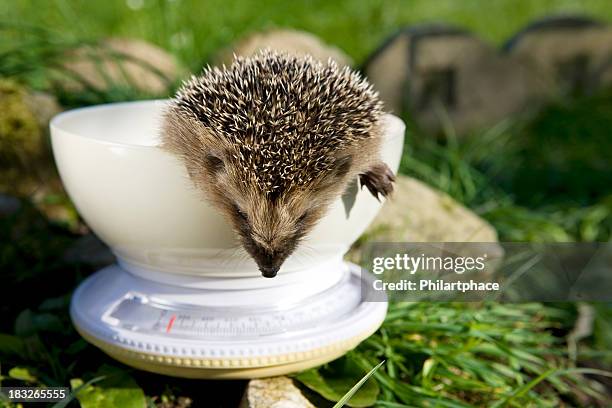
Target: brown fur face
271, 142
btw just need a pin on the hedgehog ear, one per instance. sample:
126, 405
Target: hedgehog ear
342, 166
339, 169
214, 163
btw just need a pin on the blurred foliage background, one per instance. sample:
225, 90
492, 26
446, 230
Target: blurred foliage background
193, 30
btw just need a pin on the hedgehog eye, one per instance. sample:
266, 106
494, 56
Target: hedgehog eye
214, 163
241, 214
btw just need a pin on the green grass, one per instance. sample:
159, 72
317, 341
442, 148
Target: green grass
436, 354
545, 176
459, 355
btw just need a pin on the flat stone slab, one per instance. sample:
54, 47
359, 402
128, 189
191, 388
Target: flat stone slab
276, 392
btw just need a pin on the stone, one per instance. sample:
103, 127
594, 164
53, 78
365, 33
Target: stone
119, 62
417, 213
450, 81
574, 51
291, 41
276, 392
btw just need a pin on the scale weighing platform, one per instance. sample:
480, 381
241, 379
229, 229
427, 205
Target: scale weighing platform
188, 331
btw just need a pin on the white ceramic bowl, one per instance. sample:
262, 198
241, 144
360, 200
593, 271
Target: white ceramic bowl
138, 199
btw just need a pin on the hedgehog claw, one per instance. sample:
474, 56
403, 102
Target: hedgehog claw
379, 180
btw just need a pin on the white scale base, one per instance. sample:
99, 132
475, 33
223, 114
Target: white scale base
188, 331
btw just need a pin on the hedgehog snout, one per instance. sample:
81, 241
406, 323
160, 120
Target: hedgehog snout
268, 261
269, 272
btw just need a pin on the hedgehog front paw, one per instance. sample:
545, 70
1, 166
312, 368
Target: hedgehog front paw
379, 180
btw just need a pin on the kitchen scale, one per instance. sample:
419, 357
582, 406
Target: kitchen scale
189, 331
180, 300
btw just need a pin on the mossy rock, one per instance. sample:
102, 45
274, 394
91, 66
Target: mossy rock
21, 137
26, 165
418, 213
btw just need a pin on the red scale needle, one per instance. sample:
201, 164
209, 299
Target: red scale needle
170, 323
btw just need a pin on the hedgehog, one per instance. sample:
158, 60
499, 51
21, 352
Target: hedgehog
272, 140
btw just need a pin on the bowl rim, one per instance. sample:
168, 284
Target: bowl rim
55, 125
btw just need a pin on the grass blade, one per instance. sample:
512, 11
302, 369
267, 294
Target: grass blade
356, 387
525, 388
63, 403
